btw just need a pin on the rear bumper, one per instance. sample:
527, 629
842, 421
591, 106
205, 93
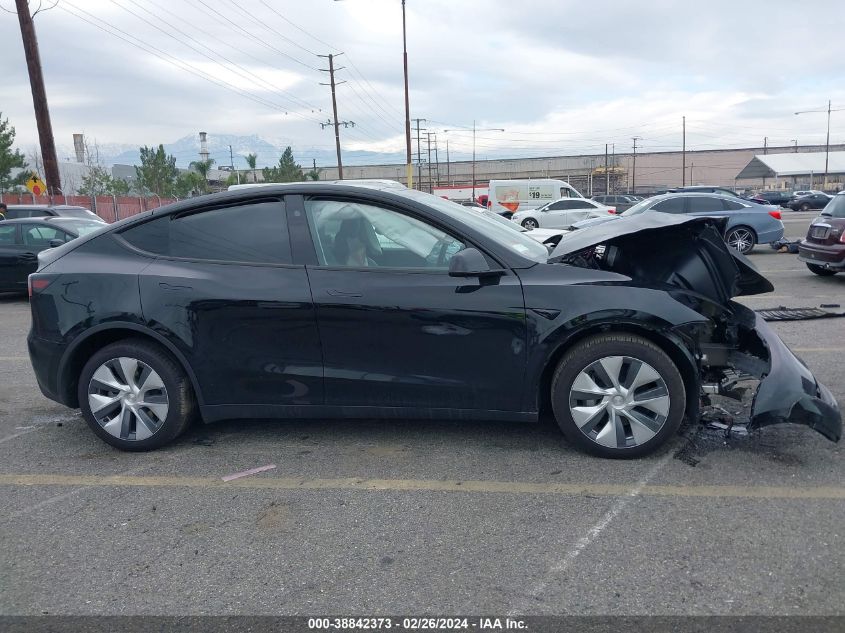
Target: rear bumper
790, 392
832, 256
772, 235
45, 357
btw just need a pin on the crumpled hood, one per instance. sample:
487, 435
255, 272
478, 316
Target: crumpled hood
673, 249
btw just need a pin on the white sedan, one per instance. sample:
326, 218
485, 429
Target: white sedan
561, 214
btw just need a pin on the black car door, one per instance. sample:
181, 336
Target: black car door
396, 329
10, 250
224, 289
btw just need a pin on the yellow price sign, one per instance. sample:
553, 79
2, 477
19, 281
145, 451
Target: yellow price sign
36, 185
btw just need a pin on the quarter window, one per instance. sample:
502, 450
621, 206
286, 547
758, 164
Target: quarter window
730, 205
357, 235
672, 205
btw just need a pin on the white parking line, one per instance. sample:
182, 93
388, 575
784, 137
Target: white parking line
556, 569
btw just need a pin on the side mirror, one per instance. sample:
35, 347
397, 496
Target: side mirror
56, 243
470, 263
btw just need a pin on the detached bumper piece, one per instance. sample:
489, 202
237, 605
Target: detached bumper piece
790, 392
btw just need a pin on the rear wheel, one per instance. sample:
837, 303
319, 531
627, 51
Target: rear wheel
618, 395
530, 223
821, 271
741, 238
135, 396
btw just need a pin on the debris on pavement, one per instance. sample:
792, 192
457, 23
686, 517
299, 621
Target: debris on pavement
247, 473
782, 313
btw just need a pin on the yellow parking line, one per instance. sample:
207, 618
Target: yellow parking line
424, 485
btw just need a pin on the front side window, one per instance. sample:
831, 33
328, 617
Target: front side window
357, 235
39, 236
251, 233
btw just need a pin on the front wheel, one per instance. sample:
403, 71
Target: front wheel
530, 223
805, 207
618, 396
741, 239
821, 271
135, 396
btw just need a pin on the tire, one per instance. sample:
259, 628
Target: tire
145, 411
821, 271
617, 429
805, 207
530, 223
741, 238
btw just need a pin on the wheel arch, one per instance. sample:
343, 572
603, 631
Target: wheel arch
669, 343
98, 337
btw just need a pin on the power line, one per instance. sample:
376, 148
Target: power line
170, 59
244, 71
219, 16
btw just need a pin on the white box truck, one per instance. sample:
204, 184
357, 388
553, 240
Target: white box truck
506, 197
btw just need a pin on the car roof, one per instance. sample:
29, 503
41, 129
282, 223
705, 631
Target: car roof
48, 219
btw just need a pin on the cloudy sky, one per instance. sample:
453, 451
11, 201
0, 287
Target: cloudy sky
560, 76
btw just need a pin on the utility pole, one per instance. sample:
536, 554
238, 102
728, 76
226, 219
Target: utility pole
436, 161
232, 163
428, 136
419, 155
409, 171
795, 142
684, 154
39, 98
606, 173
337, 123
634, 169
765, 151
448, 169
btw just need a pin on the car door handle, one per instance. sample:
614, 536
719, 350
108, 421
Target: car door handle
167, 286
343, 293
29, 255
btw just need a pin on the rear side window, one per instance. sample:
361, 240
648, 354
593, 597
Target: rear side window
250, 233
705, 204
672, 205
836, 207
7, 234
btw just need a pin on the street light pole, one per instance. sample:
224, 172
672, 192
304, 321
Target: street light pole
474, 130
827, 141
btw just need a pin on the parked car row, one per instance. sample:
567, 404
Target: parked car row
21, 240
823, 250
16, 211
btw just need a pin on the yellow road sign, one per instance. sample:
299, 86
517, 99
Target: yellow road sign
36, 185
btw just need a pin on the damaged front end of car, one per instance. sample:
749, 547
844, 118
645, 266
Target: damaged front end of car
688, 258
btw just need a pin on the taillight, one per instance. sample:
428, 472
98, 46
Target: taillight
37, 284
612, 210
842, 237
775, 214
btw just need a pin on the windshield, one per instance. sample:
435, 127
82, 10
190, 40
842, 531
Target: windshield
836, 207
71, 212
498, 230
638, 208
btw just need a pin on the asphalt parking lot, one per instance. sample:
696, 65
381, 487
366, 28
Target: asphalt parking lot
411, 517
